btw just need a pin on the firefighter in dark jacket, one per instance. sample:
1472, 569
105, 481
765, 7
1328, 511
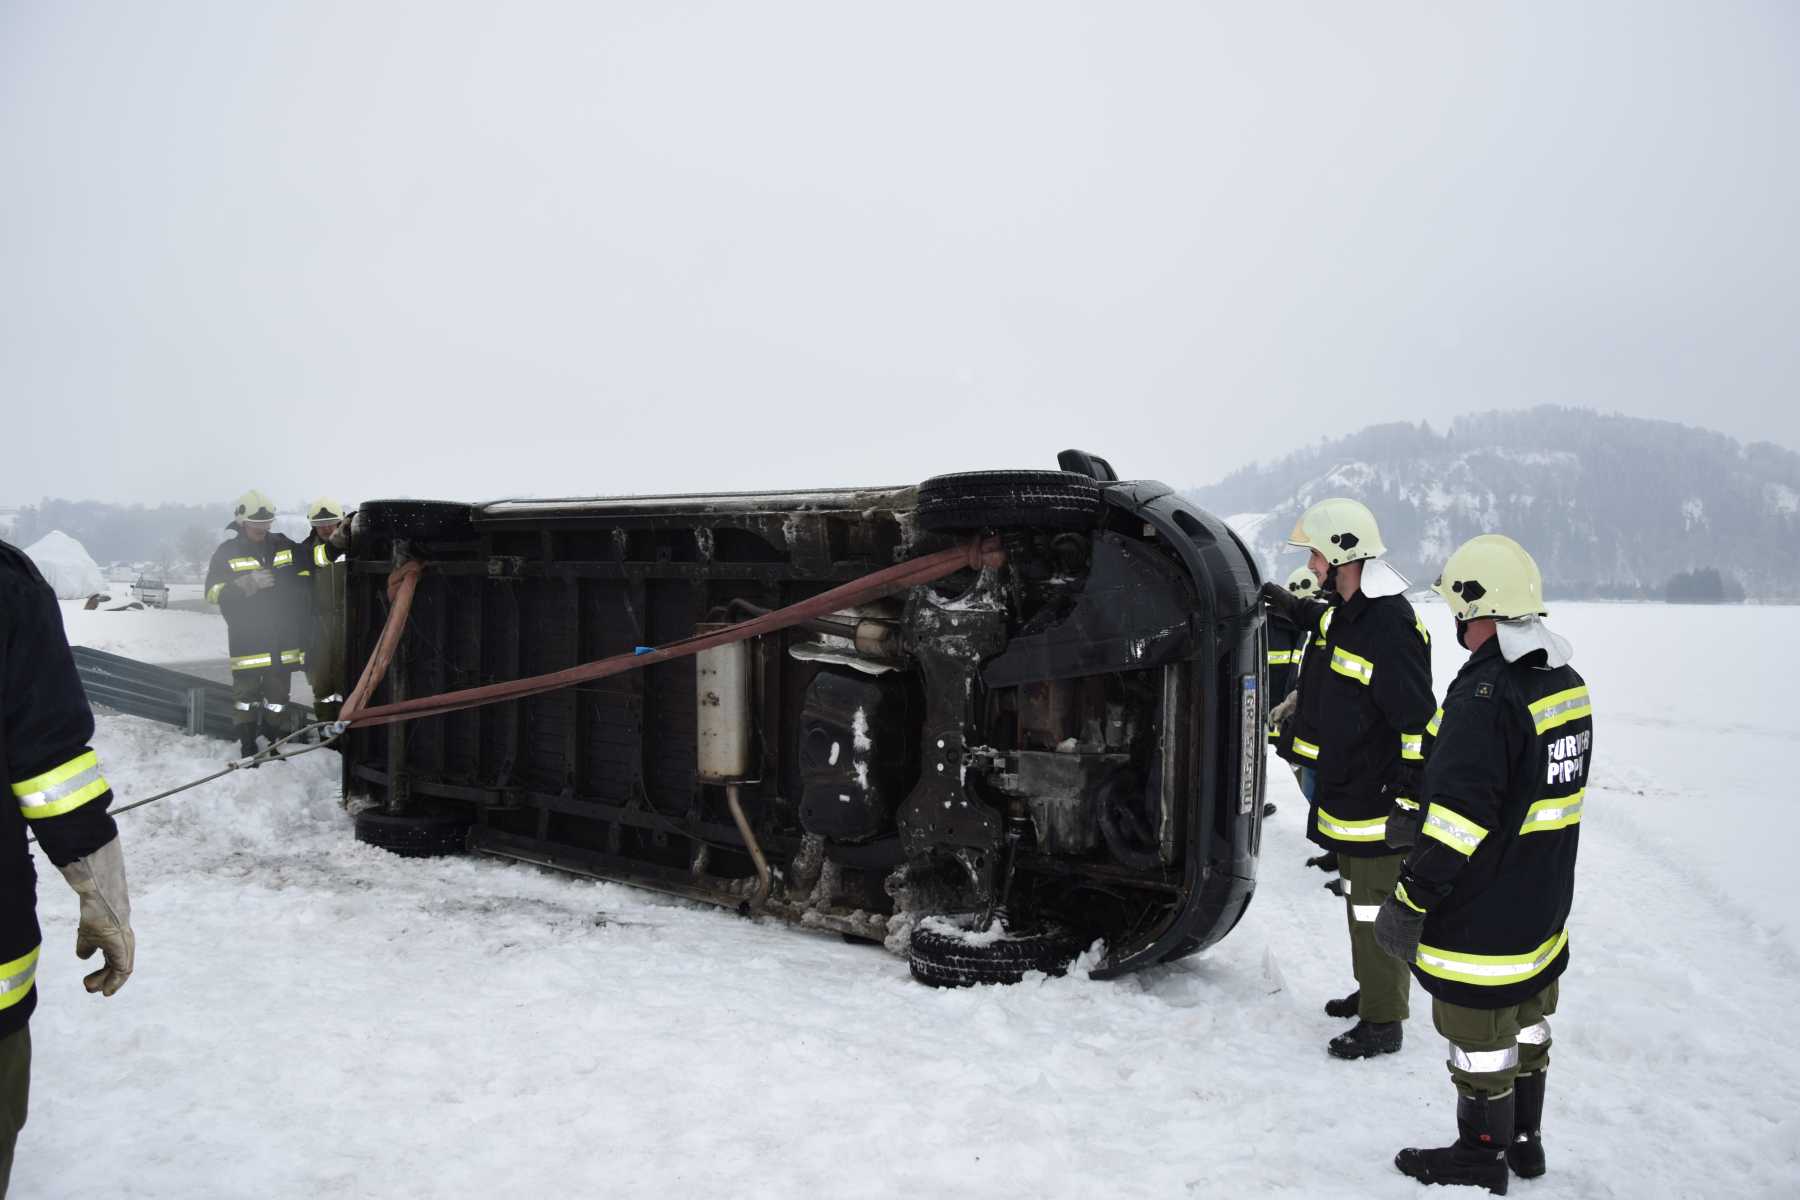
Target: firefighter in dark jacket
1365, 699
1284, 693
1482, 907
322, 567
254, 580
1287, 645
59, 794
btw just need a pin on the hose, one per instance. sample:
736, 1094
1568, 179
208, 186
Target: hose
974, 554
404, 582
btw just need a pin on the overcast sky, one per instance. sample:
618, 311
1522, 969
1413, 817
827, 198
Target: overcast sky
469, 250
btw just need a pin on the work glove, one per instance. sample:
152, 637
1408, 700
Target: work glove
1283, 602
1403, 825
1397, 929
252, 582
1281, 713
1405, 820
99, 879
1326, 862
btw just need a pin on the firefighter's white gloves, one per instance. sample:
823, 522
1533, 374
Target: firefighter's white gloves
252, 582
99, 879
1279, 715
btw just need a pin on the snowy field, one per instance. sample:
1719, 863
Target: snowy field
313, 1018
158, 635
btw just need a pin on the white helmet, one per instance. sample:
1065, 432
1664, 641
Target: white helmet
1492, 576
324, 511
1341, 529
1303, 583
254, 506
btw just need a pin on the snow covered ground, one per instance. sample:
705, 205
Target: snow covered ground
311, 1017
152, 634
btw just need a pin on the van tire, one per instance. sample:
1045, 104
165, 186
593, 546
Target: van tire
425, 520
943, 959
413, 837
974, 500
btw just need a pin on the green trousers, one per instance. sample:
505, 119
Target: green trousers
325, 668
15, 1090
1385, 981
1492, 1047
260, 690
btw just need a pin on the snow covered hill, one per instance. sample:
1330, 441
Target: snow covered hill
313, 1018
1609, 506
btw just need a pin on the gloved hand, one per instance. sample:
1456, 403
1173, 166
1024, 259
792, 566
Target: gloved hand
99, 879
1397, 929
1403, 825
252, 582
1282, 602
1326, 862
1281, 713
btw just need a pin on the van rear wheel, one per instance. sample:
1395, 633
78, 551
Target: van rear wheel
974, 500
425, 520
413, 836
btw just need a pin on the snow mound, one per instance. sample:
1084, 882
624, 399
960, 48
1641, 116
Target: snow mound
66, 565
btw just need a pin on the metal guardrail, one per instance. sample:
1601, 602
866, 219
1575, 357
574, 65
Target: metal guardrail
141, 689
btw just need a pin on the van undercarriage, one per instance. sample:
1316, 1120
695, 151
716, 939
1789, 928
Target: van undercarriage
989, 772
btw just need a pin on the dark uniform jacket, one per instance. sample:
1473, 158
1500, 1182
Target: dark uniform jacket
1494, 868
322, 572
1365, 699
56, 788
269, 628
1287, 643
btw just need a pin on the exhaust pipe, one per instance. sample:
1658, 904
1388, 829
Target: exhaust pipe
759, 897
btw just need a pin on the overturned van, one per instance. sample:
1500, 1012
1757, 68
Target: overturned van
989, 773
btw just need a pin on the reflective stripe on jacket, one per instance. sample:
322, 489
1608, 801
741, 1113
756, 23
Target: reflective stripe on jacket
272, 626
1287, 647
55, 785
1365, 700
1494, 870
325, 568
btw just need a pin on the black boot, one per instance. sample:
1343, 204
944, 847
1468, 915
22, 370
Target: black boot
246, 741
1346, 1006
1268, 808
274, 728
1484, 1129
1526, 1154
1367, 1039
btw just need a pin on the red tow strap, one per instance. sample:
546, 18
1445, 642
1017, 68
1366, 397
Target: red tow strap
973, 555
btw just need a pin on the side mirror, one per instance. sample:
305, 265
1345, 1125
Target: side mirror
1080, 462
